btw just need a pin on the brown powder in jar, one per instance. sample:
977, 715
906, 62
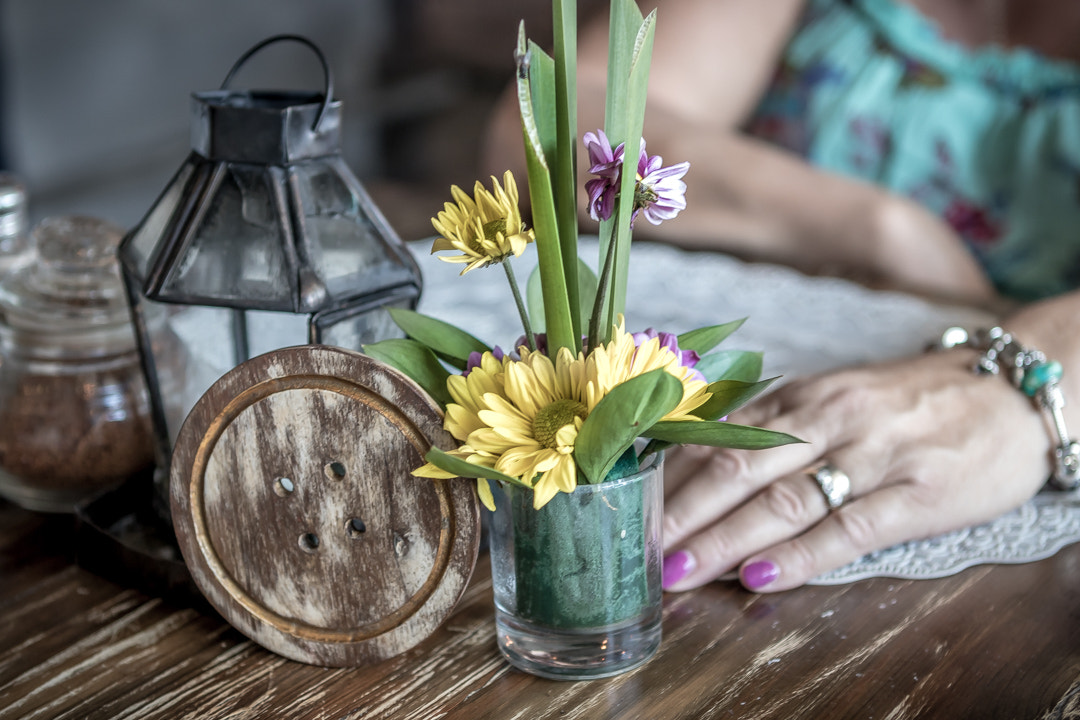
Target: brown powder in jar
86, 431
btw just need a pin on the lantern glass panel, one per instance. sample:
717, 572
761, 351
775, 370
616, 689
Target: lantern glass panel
268, 331
371, 325
237, 251
346, 250
189, 356
139, 249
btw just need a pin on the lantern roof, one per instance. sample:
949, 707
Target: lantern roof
264, 213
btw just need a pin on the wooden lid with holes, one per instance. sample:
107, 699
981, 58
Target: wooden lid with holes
297, 514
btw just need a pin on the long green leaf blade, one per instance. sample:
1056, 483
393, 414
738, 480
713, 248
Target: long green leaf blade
564, 172
623, 24
636, 91
560, 330
621, 417
447, 341
630, 53
416, 361
719, 434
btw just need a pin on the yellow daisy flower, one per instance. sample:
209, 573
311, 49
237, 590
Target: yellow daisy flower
485, 229
522, 417
618, 361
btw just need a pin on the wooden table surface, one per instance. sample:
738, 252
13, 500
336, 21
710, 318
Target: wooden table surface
991, 642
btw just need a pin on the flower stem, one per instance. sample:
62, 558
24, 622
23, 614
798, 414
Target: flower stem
601, 294
529, 337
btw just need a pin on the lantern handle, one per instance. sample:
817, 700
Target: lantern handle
328, 88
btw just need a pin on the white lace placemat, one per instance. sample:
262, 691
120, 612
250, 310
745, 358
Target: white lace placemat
803, 325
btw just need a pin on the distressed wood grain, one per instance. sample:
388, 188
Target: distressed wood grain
298, 515
991, 642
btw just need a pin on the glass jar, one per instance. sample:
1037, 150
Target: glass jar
577, 583
74, 413
14, 240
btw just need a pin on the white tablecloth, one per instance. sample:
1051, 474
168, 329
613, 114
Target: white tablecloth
804, 325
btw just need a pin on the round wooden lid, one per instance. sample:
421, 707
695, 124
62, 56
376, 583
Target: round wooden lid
297, 514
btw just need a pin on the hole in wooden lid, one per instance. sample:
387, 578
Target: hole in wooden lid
309, 542
355, 527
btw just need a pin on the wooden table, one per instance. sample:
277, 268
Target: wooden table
991, 642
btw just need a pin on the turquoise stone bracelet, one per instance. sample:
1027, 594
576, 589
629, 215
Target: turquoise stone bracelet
1037, 376
1030, 372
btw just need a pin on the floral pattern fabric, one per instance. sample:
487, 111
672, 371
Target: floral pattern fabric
987, 139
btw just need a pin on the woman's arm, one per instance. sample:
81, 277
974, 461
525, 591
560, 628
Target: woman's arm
712, 61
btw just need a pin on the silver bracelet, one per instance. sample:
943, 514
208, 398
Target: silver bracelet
1030, 372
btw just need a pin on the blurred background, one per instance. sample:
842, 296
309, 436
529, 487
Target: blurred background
95, 96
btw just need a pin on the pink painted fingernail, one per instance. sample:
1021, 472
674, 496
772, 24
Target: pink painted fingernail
677, 566
758, 574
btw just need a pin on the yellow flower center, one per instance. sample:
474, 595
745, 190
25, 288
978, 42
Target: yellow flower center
555, 416
493, 228
644, 196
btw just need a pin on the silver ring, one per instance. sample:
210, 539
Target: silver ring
834, 483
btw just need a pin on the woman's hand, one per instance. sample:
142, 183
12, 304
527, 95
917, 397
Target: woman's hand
928, 445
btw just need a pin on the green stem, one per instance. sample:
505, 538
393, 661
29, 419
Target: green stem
529, 337
601, 295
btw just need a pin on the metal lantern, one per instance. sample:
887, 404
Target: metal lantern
263, 239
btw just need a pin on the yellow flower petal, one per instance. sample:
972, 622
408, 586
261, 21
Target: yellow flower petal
431, 471
483, 489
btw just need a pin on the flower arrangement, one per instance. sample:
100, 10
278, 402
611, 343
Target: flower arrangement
578, 391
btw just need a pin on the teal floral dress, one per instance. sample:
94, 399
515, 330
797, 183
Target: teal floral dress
989, 140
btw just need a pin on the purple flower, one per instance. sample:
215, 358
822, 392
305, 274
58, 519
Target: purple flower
606, 164
660, 193
687, 358
473, 360
523, 342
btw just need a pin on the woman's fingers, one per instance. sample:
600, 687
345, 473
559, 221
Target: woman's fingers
705, 484
881, 519
723, 482
778, 512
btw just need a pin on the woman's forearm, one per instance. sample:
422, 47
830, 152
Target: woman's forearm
750, 198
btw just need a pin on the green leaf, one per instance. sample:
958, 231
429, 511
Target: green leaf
705, 339
415, 360
718, 434
534, 295
535, 75
464, 468
447, 341
630, 43
653, 446
564, 160
541, 84
740, 365
730, 395
621, 417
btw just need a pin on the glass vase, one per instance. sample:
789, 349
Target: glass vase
577, 584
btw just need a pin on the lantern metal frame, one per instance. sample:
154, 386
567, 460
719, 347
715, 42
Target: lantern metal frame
290, 129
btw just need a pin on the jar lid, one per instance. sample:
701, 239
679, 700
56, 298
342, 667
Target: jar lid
73, 287
298, 516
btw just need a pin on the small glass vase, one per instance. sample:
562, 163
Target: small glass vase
577, 583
